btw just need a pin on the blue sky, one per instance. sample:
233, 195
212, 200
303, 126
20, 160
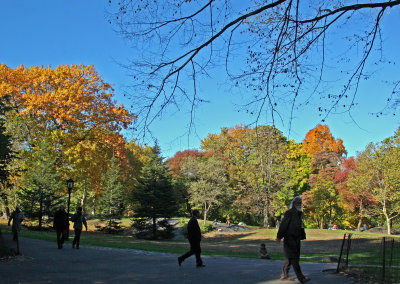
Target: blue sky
48, 32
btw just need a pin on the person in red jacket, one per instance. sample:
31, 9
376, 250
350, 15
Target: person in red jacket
292, 231
194, 237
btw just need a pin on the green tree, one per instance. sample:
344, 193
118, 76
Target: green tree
41, 186
113, 197
6, 155
266, 165
358, 191
381, 169
297, 172
154, 197
208, 182
322, 200
254, 160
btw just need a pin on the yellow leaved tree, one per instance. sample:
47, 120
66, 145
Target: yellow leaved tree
72, 107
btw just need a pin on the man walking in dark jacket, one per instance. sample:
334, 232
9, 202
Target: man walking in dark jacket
61, 224
292, 231
194, 237
16, 217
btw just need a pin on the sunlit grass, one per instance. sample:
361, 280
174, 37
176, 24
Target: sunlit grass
320, 244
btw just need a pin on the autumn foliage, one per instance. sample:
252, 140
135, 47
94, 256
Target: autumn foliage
320, 140
176, 161
73, 108
67, 97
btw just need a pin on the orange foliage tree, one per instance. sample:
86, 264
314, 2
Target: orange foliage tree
72, 106
322, 200
320, 140
175, 162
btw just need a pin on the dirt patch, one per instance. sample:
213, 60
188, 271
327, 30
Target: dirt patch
234, 228
382, 230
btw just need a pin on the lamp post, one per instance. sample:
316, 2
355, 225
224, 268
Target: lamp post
70, 185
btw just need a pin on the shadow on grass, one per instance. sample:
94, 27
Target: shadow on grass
244, 245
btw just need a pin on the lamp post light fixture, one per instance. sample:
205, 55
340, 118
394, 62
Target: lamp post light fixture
70, 185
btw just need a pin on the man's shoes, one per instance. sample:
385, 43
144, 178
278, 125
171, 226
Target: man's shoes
305, 279
287, 278
179, 261
200, 265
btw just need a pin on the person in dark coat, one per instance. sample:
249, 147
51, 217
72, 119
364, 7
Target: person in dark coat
79, 220
16, 217
61, 224
292, 231
194, 237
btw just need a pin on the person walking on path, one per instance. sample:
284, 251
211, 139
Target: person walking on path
79, 220
292, 231
17, 217
61, 224
194, 237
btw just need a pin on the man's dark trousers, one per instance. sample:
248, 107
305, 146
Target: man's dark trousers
61, 237
194, 249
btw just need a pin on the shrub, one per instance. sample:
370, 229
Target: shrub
144, 229
207, 227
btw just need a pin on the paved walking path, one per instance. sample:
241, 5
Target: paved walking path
41, 262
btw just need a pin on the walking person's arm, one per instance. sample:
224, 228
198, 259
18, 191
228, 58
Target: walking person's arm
84, 221
283, 227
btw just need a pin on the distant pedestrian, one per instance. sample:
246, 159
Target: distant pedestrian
194, 237
228, 221
292, 231
263, 252
17, 217
365, 227
61, 225
79, 220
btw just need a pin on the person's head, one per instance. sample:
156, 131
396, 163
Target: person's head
79, 209
196, 213
263, 246
297, 203
62, 207
17, 208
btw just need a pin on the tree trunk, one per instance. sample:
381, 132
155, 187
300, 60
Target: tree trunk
361, 217
154, 227
359, 224
205, 213
188, 207
389, 224
388, 220
265, 216
40, 207
83, 200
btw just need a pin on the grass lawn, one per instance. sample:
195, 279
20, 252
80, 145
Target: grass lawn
319, 243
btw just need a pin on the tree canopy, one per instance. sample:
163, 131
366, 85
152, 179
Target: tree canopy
282, 54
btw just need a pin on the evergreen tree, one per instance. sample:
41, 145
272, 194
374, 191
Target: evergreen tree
5, 154
5, 144
112, 199
154, 197
42, 185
